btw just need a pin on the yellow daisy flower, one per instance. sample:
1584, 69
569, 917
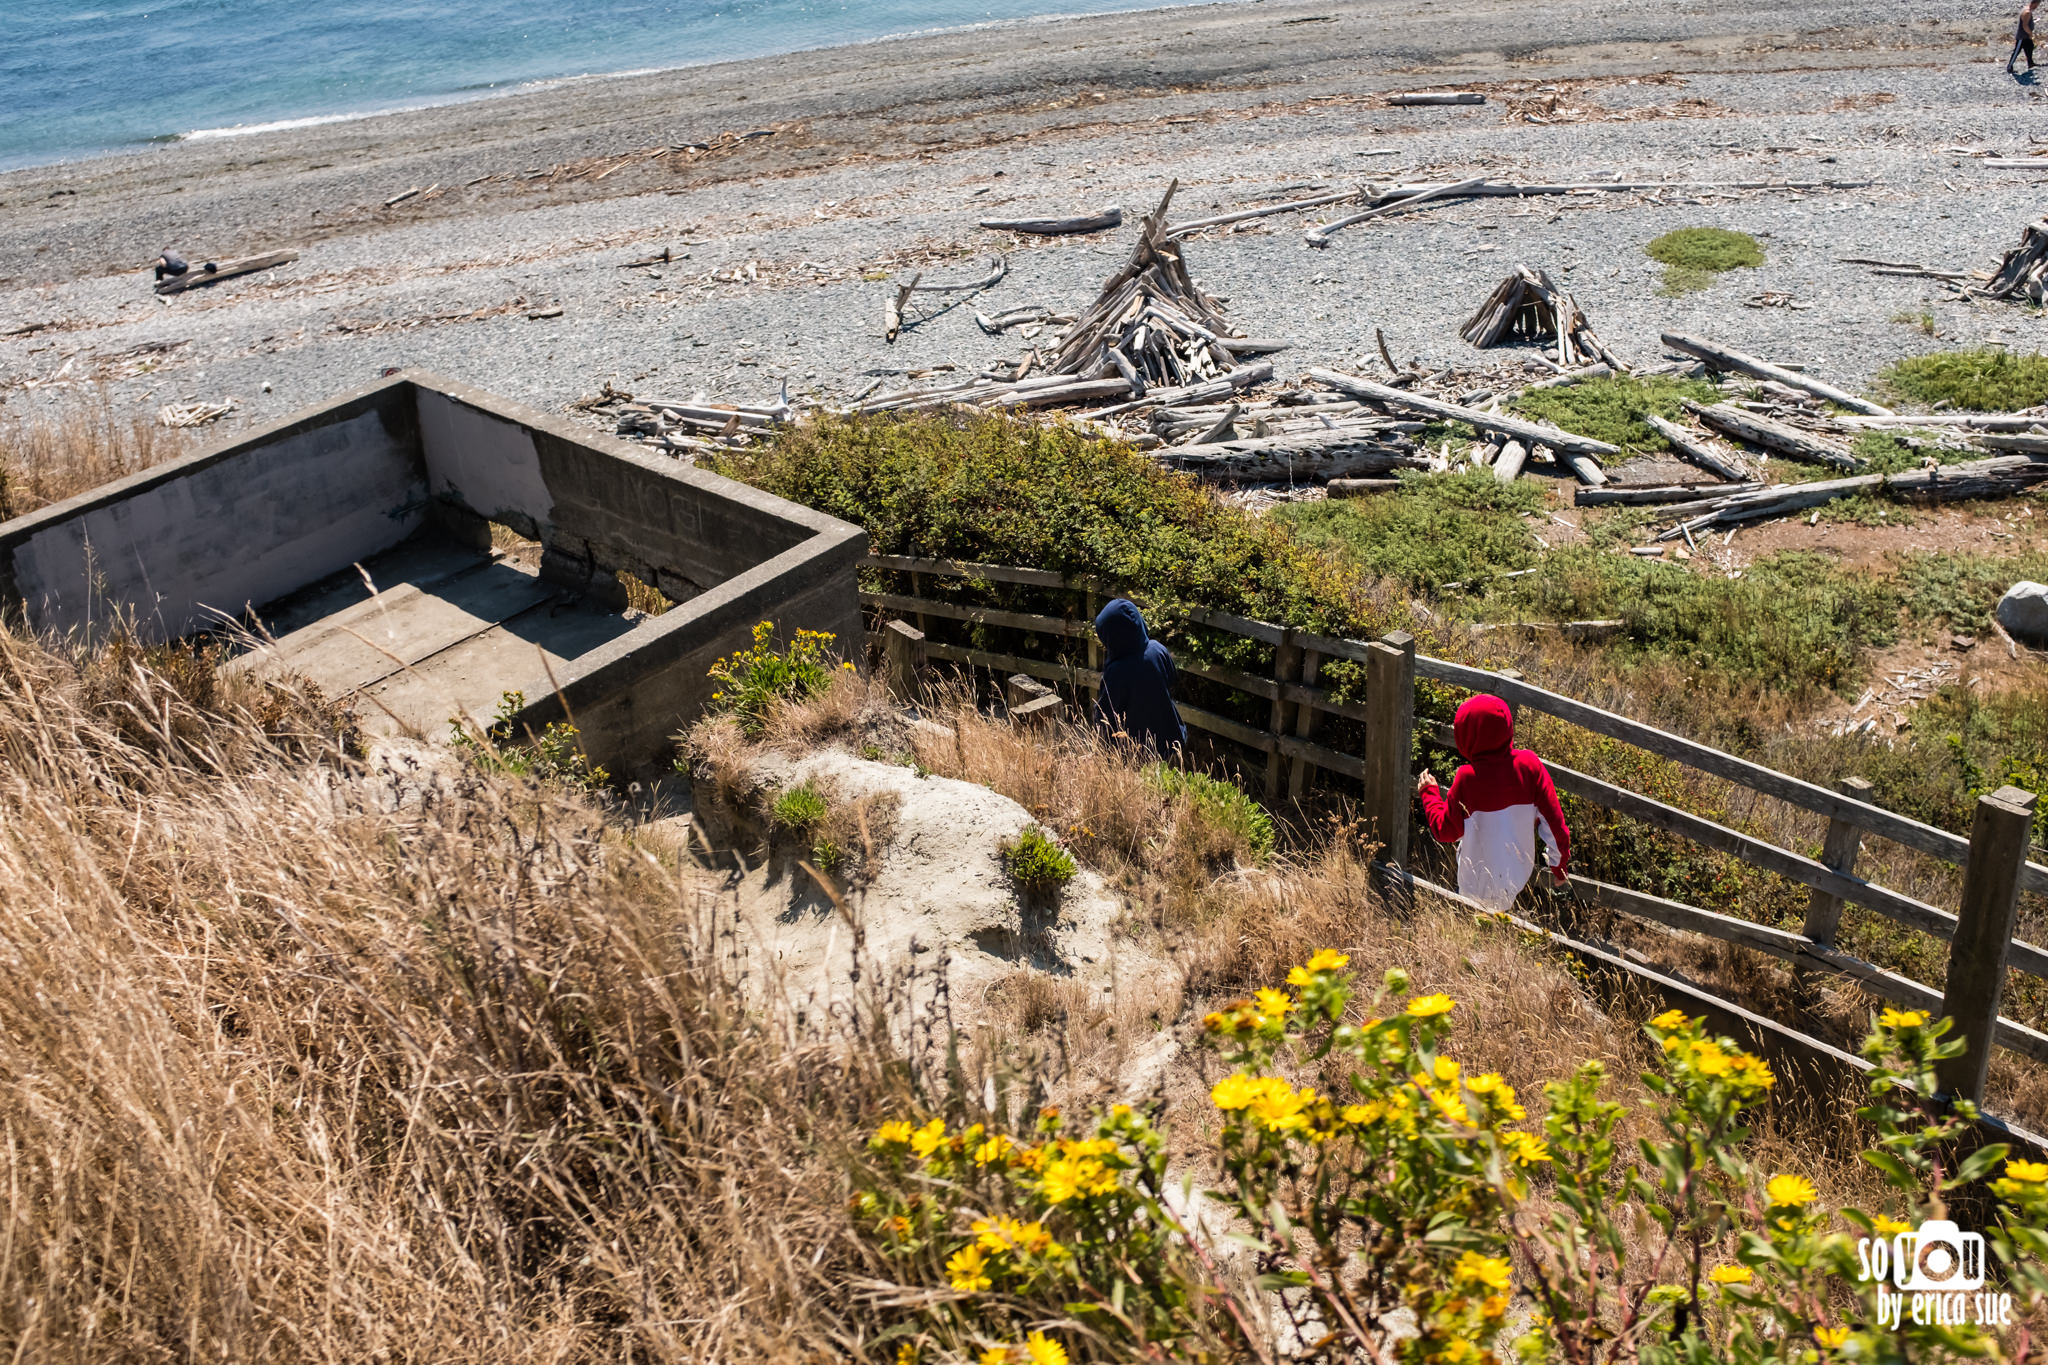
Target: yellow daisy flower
1043, 1350
967, 1268
1429, 1006
1796, 1191
1730, 1274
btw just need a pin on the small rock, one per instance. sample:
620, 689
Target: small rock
1962, 643
2023, 611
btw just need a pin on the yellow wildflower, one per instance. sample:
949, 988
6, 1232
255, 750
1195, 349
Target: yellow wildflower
996, 1149
906, 1354
1892, 1018
1429, 1006
1670, 1020
926, 1140
1446, 1070
1450, 1106
995, 1355
1070, 1177
895, 1132
1889, 1226
995, 1235
1328, 960
2031, 1172
1525, 1149
967, 1268
1032, 1237
1119, 1111
1730, 1274
1273, 1004
1490, 1271
1358, 1115
1043, 1350
1795, 1191
1279, 1108
1235, 1092
1829, 1338
1709, 1060
1494, 1306
1754, 1071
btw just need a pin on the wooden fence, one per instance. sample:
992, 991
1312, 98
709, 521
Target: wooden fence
1993, 859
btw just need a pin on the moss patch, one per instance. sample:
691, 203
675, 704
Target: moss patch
1692, 257
1612, 409
1432, 530
1986, 379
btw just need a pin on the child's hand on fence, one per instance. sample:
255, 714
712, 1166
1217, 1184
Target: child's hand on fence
1559, 874
1426, 782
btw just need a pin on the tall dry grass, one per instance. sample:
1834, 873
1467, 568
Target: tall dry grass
304, 1057
55, 453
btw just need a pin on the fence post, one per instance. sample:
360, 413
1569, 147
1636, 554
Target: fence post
1306, 719
1844, 842
1390, 742
903, 647
1976, 959
1286, 669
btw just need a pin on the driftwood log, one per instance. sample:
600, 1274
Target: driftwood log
2000, 476
1334, 455
1723, 358
1320, 236
1515, 428
1692, 450
1507, 466
1771, 435
1246, 215
199, 277
1652, 496
1110, 217
2023, 273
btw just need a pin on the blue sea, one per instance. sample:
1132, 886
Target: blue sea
79, 77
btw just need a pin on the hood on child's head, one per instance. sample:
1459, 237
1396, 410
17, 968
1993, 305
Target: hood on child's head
1484, 725
1121, 628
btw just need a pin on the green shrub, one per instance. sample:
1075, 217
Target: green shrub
754, 680
1436, 529
1960, 590
1035, 863
1611, 409
802, 808
1223, 804
1692, 257
1986, 379
1792, 619
1001, 491
555, 755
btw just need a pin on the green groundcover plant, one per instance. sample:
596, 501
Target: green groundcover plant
1419, 1212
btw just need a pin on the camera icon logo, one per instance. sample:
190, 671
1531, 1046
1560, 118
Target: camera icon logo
1938, 1256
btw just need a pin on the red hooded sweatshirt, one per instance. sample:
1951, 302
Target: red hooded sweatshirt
1499, 804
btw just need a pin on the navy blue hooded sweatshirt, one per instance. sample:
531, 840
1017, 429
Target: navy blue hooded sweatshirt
1137, 682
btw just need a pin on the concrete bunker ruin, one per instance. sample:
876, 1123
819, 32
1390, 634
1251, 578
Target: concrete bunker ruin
423, 548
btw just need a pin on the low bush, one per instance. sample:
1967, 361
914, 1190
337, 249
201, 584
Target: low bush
801, 809
1693, 257
1430, 531
1986, 379
1035, 863
1222, 804
1409, 1207
1960, 590
760, 677
554, 755
1611, 409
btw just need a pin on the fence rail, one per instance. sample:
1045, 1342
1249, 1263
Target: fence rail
1993, 858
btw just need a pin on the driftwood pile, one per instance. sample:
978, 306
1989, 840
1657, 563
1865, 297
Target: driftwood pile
692, 428
2023, 274
1528, 306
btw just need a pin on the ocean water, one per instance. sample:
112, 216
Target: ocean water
79, 77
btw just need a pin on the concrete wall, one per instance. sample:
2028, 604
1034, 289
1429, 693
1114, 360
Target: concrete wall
177, 547
245, 525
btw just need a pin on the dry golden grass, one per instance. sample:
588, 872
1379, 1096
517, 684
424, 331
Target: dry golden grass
48, 456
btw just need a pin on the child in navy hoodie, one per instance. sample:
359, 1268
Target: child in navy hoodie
1500, 803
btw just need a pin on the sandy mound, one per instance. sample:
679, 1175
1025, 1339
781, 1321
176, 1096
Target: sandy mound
931, 918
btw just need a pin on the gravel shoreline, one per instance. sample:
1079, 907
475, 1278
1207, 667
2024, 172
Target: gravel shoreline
884, 155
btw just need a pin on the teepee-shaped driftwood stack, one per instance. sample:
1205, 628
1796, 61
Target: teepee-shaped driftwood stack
1528, 306
2023, 274
1151, 323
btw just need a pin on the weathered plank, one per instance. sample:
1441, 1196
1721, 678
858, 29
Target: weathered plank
1513, 427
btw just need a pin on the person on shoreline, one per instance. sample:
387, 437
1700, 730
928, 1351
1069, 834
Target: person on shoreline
171, 264
2023, 39
1135, 704
1501, 803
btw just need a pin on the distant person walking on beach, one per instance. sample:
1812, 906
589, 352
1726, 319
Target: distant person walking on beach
2023, 39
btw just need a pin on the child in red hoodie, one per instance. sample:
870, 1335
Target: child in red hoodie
1500, 803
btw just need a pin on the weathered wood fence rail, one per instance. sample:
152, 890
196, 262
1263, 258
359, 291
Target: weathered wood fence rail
1993, 859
